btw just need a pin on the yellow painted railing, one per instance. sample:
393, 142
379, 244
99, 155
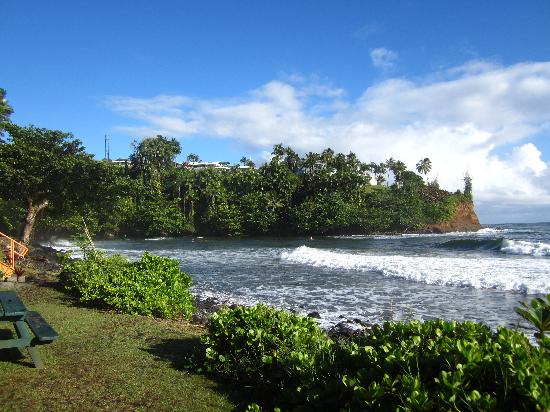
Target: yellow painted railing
14, 249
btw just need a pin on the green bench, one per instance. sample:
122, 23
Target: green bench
31, 328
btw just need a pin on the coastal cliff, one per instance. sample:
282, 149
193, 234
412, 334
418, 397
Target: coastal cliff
464, 220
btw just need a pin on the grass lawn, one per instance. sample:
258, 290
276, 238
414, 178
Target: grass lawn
106, 361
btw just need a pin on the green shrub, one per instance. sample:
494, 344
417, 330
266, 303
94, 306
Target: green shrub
151, 286
441, 366
265, 347
420, 366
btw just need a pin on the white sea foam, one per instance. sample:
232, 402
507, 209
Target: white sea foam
523, 275
520, 247
66, 246
490, 231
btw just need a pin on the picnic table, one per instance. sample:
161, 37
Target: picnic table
31, 328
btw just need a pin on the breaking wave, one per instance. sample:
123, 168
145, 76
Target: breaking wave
521, 247
513, 247
521, 275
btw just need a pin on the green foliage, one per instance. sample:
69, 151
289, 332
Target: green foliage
41, 168
10, 216
222, 218
440, 205
264, 347
105, 200
443, 366
156, 217
151, 286
39, 162
153, 156
427, 366
537, 312
260, 212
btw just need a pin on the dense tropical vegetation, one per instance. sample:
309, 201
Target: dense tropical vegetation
48, 173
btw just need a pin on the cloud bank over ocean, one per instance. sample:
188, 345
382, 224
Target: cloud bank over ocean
479, 117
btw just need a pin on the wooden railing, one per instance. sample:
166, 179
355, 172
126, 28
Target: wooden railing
14, 249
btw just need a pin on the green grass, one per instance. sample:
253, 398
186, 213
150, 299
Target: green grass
106, 361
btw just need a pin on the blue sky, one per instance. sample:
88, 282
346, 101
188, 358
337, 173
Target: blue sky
466, 82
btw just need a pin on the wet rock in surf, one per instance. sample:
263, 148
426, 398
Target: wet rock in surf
208, 305
348, 328
314, 314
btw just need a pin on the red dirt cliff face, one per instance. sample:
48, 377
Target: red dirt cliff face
464, 220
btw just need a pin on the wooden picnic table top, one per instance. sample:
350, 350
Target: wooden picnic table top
11, 306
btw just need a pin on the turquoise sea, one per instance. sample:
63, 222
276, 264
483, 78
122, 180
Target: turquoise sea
461, 276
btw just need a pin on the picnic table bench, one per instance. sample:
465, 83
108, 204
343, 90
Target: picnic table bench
31, 328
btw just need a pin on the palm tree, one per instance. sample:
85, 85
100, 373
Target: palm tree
378, 169
397, 167
424, 166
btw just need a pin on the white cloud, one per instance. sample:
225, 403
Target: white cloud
383, 58
478, 117
527, 159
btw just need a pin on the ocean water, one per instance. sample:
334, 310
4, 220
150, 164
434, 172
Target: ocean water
477, 276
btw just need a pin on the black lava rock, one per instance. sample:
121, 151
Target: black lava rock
314, 314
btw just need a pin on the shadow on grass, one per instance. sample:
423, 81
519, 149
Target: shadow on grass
187, 355
178, 351
12, 355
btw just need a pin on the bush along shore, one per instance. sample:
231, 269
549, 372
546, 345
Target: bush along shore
291, 364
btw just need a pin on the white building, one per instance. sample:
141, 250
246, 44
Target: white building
206, 165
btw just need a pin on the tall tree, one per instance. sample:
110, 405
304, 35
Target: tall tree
5, 110
153, 156
378, 169
467, 184
397, 167
40, 167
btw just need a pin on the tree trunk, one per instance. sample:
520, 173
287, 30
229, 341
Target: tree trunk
30, 219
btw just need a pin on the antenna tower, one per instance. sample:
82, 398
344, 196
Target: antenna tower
107, 154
